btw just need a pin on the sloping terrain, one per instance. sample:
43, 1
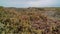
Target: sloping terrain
29, 20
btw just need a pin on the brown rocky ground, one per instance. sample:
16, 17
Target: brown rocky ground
29, 21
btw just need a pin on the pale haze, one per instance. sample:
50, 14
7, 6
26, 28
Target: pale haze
30, 3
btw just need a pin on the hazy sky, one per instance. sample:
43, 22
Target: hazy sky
30, 3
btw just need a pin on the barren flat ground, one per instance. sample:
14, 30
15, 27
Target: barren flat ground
30, 20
